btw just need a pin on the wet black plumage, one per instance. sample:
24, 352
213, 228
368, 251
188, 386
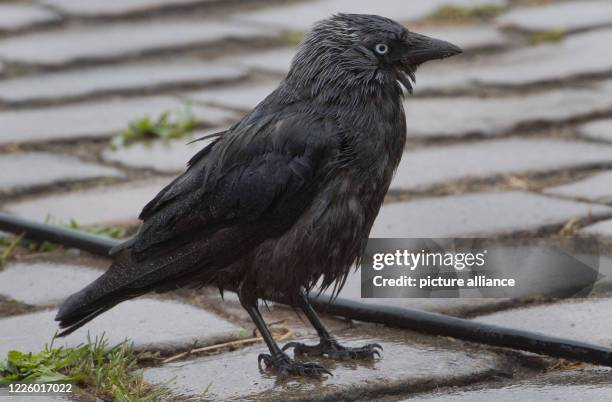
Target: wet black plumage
284, 199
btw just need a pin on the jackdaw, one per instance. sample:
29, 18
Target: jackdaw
284, 200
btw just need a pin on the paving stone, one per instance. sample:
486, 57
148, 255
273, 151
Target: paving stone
113, 78
121, 39
425, 167
94, 119
242, 97
118, 204
151, 324
97, 8
564, 16
579, 55
470, 37
43, 283
162, 156
38, 168
477, 214
581, 320
583, 384
456, 116
22, 15
597, 130
301, 16
276, 60
600, 229
595, 188
407, 360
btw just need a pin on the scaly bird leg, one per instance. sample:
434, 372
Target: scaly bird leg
277, 359
328, 346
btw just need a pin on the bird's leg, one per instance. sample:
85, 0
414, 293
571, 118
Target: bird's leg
328, 346
277, 359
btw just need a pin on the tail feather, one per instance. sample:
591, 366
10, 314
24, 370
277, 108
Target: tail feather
96, 298
125, 279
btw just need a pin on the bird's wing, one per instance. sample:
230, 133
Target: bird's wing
259, 172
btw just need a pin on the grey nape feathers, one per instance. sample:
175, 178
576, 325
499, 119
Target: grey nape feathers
285, 199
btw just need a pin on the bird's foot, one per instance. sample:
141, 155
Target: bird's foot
332, 349
285, 366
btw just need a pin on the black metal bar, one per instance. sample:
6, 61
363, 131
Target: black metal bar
57, 234
415, 320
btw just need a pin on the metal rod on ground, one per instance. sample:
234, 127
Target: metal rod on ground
419, 321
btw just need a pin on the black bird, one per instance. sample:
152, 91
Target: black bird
285, 199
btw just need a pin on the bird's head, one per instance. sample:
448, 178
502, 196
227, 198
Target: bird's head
357, 49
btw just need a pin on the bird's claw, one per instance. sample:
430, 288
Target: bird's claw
285, 366
332, 349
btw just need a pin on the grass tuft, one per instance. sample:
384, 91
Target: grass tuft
475, 13
552, 36
166, 127
7, 247
110, 372
294, 38
114, 232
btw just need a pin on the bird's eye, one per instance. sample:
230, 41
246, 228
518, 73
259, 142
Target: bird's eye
381, 48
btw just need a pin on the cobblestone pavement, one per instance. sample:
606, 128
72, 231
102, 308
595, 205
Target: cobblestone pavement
513, 138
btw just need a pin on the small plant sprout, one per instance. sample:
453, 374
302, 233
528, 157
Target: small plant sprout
166, 127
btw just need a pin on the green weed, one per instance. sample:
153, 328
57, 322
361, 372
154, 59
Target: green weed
108, 372
552, 36
165, 127
455, 13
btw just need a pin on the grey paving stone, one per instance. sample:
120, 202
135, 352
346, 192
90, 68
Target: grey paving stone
600, 229
582, 320
429, 166
275, 60
44, 283
34, 169
301, 16
407, 360
94, 119
150, 324
470, 37
574, 385
118, 204
477, 214
116, 40
595, 188
97, 8
456, 116
22, 15
130, 77
565, 16
579, 55
162, 156
242, 97
597, 130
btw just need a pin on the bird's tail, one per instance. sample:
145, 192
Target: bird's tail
99, 296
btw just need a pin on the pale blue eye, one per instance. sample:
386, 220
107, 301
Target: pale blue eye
381, 48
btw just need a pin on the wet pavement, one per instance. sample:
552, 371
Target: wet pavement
513, 138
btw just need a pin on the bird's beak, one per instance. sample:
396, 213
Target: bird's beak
421, 48
417, 50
